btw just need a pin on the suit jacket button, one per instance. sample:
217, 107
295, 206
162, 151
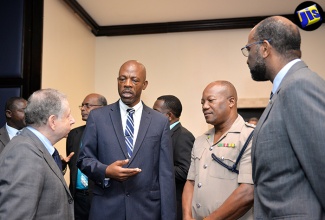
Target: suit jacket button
70, 201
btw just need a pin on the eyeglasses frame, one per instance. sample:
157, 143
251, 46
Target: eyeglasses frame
245, 48
87, 105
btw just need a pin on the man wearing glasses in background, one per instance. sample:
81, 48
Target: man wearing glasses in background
288, 144
78, 181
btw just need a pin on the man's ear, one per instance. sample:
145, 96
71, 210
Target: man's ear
231, 101
145, 84
52, 121
266, 48
8, 114
170, 116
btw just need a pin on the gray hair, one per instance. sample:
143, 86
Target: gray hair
42, 104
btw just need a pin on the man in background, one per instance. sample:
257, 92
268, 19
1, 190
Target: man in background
217, 188
80, 187
182, 139
288, 144
15, 120
31, 182
252, 121
127, 152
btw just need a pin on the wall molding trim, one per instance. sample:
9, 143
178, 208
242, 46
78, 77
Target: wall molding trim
165, 27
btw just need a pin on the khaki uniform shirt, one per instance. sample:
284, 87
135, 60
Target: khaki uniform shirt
214, 183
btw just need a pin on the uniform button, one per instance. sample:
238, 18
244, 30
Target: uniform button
211, 148
127, 194
198, 205
199, 185
205, 166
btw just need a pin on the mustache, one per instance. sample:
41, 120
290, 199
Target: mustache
127, 90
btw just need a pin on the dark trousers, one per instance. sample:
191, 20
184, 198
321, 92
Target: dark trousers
82, 203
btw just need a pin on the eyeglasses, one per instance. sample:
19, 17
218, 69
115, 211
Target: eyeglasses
245, 50
87, 105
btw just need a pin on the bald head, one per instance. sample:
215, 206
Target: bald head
282, 34
219, 104
135, 66
131, 82
91, 101
225, 88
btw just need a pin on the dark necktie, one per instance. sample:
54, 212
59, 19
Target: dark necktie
129, 132
57, 158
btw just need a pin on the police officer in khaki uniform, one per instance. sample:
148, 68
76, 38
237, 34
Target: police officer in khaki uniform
215, 187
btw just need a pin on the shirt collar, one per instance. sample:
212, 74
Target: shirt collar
281, 74
43, 139
124, 107
235, 128
12, 132
173, 125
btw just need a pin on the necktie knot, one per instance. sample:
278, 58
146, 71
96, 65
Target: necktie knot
130, 111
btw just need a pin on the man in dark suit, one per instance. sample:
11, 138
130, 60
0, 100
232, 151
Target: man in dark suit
288, 144
127, 152
80, 187
15, 120
182, 139
31, 181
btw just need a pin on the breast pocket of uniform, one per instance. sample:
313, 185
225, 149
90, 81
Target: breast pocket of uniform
228, 156
196, 157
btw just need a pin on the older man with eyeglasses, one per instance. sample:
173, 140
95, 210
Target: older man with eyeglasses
78, 181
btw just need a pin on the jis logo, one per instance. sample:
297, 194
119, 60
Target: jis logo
309, 16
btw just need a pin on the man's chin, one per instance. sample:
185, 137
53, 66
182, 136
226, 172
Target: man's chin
127, 101
257, 77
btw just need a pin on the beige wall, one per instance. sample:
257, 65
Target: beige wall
182, 64
68, 57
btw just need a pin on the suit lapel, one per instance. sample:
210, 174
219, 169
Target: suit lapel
115, 116
48, 158
175, 128
4, 135
143, 128
267, 110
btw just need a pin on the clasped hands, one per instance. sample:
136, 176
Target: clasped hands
118, 172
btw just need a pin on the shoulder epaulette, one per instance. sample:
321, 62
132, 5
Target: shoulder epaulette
250, 125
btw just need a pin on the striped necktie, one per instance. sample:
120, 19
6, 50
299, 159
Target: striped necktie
129, 132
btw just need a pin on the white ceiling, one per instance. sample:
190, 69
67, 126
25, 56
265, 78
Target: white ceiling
119, 12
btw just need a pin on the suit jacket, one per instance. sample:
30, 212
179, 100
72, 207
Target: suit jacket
288, 150
31, 184
183, 141
73, 145
4, 138
147, 195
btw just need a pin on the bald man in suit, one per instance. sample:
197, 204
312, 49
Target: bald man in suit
288, 144
80, 187
127, 152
